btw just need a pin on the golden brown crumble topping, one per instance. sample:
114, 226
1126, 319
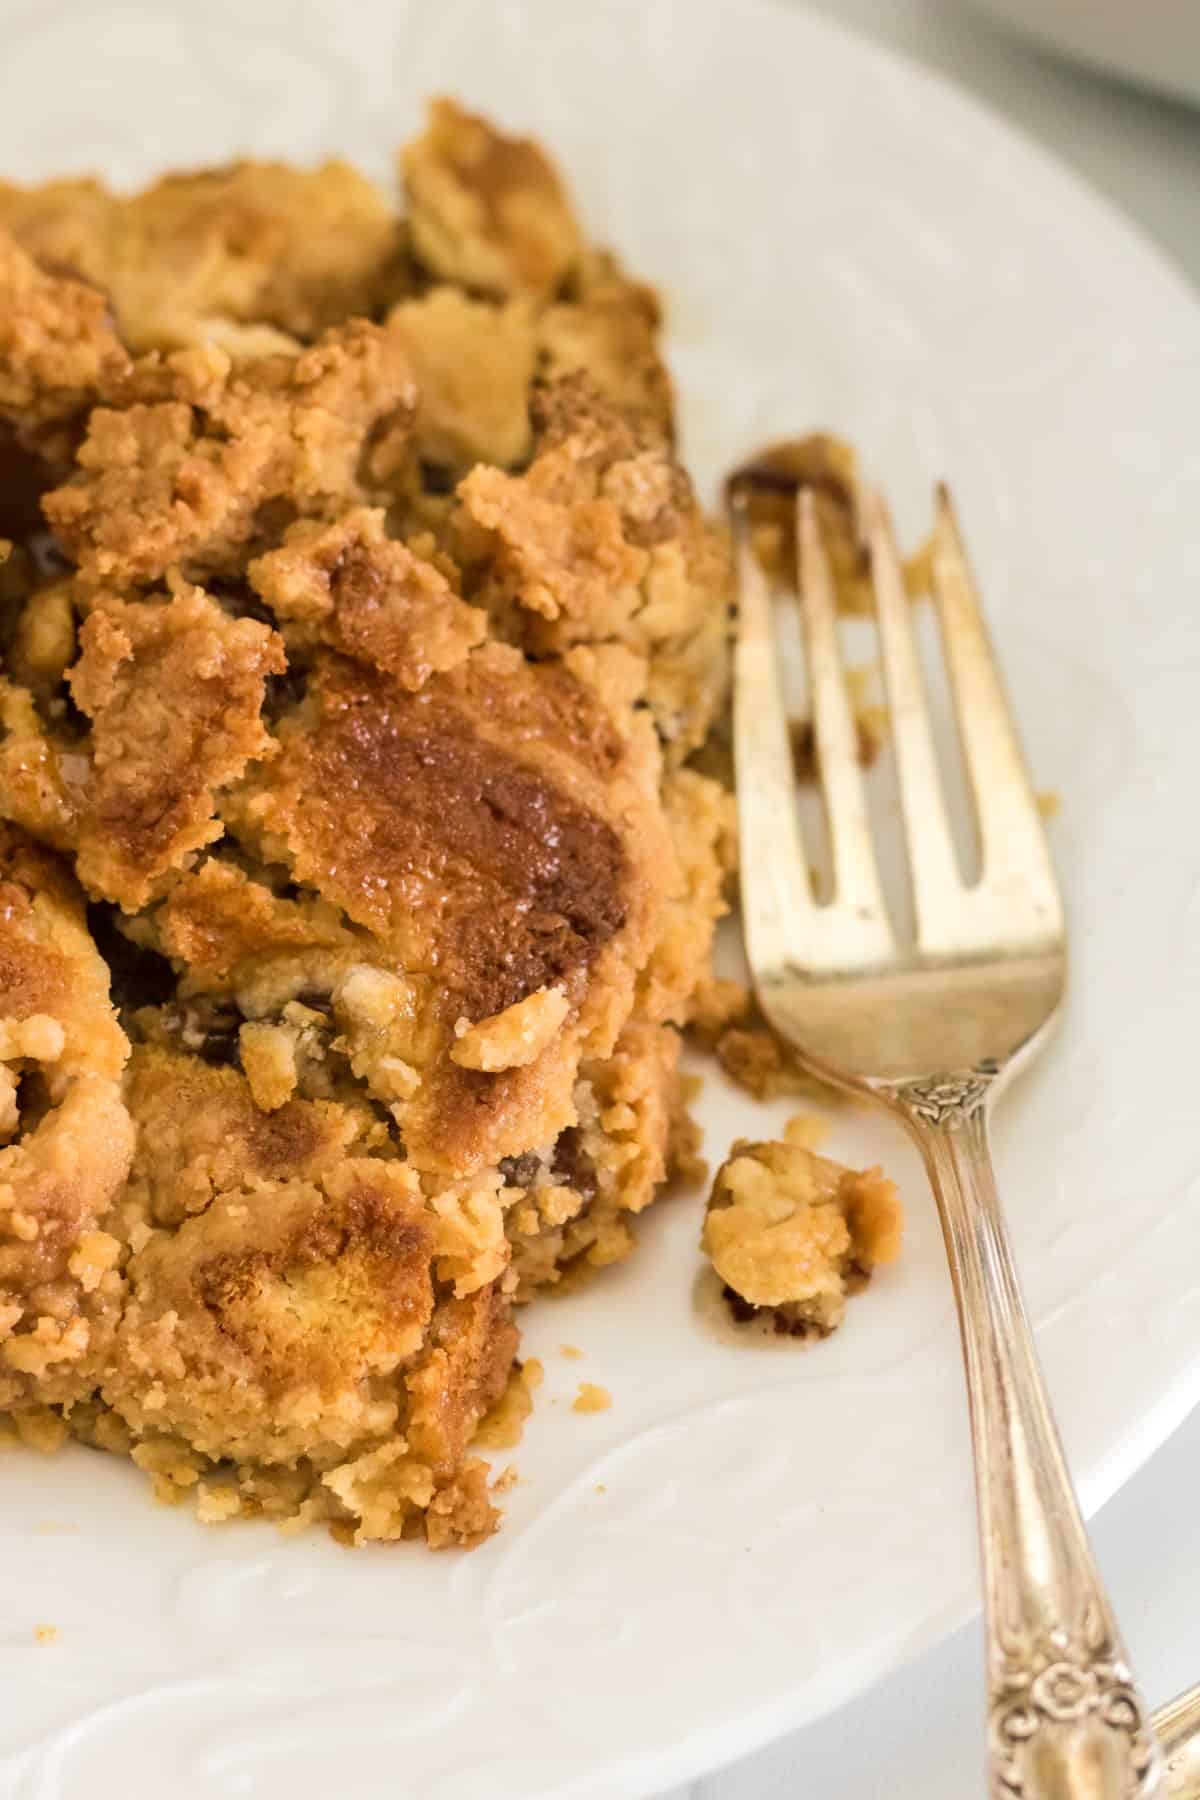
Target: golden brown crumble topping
66, 1135
181, 465
202, 1135
267, 1325
438, 815
609, 329
174, 690
41, 773
253, 255
219, 920
351, 587
58, 349
473, 363
601, 541
487, 211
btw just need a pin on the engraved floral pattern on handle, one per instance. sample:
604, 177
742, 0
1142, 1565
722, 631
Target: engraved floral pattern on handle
1052, 1684
1066, 1721
948, 1100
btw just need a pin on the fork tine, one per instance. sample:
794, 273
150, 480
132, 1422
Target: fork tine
937, 884
777, 897
1014, 855
855, 874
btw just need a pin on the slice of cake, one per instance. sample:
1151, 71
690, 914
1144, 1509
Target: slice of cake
358, 625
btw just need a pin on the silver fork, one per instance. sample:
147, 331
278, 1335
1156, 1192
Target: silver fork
933, 1031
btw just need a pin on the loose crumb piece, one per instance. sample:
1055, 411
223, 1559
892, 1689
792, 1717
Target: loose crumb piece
571, 1350
1049, 803
791, 1233
807, 1130
506, 1480
828, 468
727, 1021
45, 1634
870, 723
591, 1398
268, 1054
514, 1038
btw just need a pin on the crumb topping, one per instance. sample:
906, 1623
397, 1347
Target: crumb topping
174, 693
513, 1038
58, 349
487, 211
253, 255
181, 466
351, 587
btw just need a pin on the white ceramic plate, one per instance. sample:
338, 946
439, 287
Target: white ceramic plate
752, 1532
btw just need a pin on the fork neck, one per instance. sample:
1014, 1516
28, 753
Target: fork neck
946, 1100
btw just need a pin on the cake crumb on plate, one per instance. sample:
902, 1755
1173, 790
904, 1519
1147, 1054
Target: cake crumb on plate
791, 1234
591, 1398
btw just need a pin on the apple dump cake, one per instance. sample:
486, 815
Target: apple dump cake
359, 628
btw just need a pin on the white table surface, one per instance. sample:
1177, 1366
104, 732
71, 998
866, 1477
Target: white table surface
918, 1736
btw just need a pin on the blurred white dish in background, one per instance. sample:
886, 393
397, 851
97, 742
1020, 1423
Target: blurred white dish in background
1154, 42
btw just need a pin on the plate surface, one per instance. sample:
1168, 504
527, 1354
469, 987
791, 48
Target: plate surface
753, 1532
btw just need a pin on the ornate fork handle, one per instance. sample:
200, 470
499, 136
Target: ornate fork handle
1065, 1719
1178, 1727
